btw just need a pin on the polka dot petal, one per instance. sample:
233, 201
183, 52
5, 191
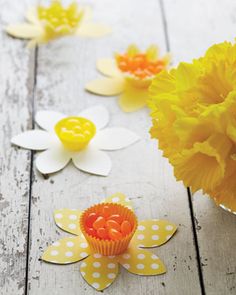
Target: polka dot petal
97, 273
66, 251
68, 220
120, 199
154, 232
142, 262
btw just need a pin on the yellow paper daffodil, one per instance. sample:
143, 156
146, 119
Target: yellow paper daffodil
55, 21
99, 270
129, 74
194, 110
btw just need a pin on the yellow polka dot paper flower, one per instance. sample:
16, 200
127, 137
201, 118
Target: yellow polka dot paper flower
194, 119
129, 75
81, 138
55, 21
124, 243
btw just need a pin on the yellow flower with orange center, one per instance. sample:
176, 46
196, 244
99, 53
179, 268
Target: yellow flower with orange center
194, 110
107, 236
55, 21
129, 74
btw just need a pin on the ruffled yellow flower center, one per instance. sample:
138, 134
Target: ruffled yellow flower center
59, 20
75, 132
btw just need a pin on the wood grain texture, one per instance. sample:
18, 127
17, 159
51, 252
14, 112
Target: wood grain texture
139, 171
16, 76
193, 26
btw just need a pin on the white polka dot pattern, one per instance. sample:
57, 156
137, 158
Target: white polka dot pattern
67, 250
120, 199
68, 220
99, 271
141, 262
153, 233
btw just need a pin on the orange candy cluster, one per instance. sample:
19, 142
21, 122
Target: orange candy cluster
139, 65
107, 226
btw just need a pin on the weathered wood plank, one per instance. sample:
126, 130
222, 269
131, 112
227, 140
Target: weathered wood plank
193, 26
16, 72
63, 69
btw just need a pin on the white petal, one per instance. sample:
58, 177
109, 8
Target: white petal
92, 161
114, 138
53, 160
33, 140
48, 119
98, 115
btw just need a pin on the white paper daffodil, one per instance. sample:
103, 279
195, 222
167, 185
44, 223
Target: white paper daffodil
80, 138
55, 21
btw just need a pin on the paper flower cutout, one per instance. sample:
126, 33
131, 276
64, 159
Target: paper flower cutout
193, 111
81, 139
130, 75
55, 21
98, 270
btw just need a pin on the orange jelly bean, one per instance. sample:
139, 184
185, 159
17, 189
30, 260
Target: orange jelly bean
113, 224
106, 211
114, 234
125, 227
99, 222
102, 233
116, 217
90, 219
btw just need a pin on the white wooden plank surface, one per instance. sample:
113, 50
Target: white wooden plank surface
139, 171
193, 26
16, 66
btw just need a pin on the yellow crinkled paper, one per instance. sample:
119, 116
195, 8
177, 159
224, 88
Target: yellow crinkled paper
193, 108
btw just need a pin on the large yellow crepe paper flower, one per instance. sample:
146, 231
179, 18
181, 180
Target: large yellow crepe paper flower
101, 271
194, 119
54, 21
130, 75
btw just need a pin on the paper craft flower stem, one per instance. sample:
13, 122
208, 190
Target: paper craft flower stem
80, 138
193, 110
55, 21
100, 229
129, 75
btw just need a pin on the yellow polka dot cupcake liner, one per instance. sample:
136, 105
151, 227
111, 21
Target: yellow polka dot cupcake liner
109, 247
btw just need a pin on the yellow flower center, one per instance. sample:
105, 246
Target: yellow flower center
59, 20
75, 132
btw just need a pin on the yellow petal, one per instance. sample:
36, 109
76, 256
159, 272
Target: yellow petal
120, 199
133, 99
108, 67
153, 233
152, 52
203, 166
92, 30
32, 16
141, 262
68, 220
132, 50
99, 271
106, 86
67, 250
225, 193
24, 31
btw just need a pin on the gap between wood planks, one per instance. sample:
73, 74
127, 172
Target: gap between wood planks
32, 106
195, 238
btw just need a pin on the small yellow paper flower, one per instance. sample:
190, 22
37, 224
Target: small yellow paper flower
55, 21
98, 270
194, 110
130, 75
